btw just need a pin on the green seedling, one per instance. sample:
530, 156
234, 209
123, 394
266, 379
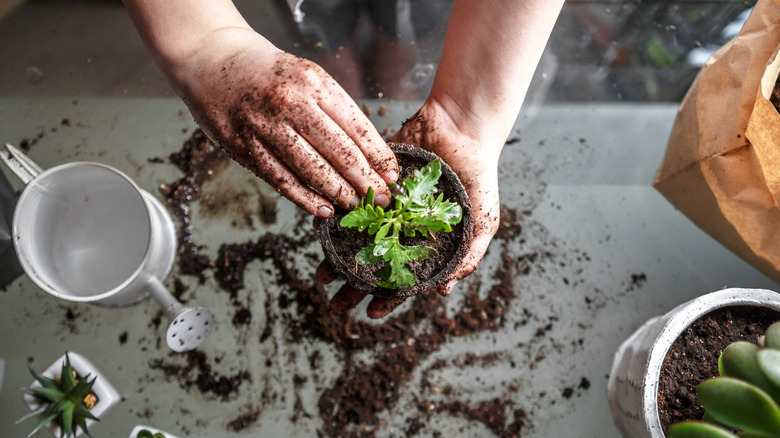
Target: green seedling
62, 402
746, 396
416, 209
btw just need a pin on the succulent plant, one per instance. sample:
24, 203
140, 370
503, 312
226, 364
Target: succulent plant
746, 395
146, 433
64, 401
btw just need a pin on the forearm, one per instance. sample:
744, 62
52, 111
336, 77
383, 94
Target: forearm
174, 31
491, 51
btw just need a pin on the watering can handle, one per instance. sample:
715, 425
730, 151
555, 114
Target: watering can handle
23, 167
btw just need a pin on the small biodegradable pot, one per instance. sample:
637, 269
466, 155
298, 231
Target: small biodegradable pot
632, 389
137, 429
106, 394
345, 266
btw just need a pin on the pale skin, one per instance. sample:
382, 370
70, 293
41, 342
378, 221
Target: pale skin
289, 122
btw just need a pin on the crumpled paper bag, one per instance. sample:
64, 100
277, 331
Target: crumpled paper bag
722, 164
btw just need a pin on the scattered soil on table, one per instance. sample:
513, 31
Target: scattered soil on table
377, 359
347, 242
693, 357
198, 373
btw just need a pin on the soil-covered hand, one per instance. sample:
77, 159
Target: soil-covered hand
475, 160
286, 120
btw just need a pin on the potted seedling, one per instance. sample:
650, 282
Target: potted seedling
745, 397
69, 396
149, 432
412, 245
641, 360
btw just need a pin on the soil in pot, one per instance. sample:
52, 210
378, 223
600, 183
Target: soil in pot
346, 242
693, 357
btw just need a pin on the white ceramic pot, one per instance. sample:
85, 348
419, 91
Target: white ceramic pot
140, 427
106, 394
633, 382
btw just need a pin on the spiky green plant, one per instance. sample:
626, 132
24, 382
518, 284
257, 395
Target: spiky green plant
62, 402
746, 396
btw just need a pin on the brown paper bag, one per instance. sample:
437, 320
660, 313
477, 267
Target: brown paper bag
722, 164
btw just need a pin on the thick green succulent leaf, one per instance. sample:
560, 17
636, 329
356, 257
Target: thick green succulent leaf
42, 422
50, 395
768, 361
67, 375
772, 336
44, 381
422, 184
67, 421
739, 404
696, 429
739, 360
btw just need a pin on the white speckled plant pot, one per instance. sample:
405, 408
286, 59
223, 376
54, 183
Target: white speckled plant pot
140, 427
633, 382
106, 394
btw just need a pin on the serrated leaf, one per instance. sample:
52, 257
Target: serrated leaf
366, 256
739, 404
695, 429
420, 252
382, 232
362, 218
422, 184
438, 215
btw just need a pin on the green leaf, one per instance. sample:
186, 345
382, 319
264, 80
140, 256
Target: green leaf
67, 377
419, 252
772, 336
366, 256
438, 215
42, 423
51, 395
382, 232
422, 184
768, 361
144, 434
739, 360
740, 405
44, 381
363, 217
696, 429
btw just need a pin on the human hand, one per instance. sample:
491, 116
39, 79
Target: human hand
475, 161
286, 120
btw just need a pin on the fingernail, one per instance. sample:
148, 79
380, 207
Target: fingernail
391, 176
354, 202
447, 288
324, 211
382, 199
